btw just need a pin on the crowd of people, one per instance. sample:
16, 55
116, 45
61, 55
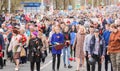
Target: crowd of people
91, 34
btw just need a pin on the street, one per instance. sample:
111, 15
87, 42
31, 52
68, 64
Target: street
47, 66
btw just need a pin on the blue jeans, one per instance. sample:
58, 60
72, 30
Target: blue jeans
66, 53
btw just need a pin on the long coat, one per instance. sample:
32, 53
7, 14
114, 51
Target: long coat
35, 45
78, 45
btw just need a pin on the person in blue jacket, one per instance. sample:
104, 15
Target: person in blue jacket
74, 22
106, 36
72, 38
57, 38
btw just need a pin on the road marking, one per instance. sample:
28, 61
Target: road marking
46, 65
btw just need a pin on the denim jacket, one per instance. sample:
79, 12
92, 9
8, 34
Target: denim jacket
91, 47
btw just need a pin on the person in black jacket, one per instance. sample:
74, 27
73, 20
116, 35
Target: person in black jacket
1, 47
35, 45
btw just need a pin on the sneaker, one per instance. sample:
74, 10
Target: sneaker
16, 69
69, 66
64, 65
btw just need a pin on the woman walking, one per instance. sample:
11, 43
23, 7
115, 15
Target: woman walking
66, 49
72, 39
35, 54
15, 46
57, 39
78, 44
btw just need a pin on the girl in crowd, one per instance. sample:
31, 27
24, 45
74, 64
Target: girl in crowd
57, 39
67, 47
72, 38
78, 44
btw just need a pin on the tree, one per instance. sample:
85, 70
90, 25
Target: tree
4, 5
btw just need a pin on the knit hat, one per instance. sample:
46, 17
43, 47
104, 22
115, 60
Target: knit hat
35, 33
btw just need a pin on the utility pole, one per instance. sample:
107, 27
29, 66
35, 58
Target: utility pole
42, 6
9, 6
85, 3
92, 3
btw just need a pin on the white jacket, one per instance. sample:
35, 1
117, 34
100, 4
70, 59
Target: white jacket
14, 42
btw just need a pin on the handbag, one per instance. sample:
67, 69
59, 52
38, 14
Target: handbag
59, 47
23, 52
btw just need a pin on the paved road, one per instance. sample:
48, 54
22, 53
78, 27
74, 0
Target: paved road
47, 66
